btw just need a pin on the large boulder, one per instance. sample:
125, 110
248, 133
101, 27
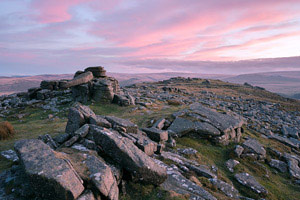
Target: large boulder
78, 116
50, 176
124, 152
81, 93
78, 80
220, 128
181, 126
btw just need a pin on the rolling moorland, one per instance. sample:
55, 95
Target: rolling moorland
217, 140
285, 83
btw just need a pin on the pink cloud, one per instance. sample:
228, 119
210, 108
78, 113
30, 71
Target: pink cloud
50, 11
96, 31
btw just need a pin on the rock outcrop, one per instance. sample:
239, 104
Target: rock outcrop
221, 128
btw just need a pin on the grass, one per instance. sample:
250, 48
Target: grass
35, 123
210, 154
138, 191
6, 130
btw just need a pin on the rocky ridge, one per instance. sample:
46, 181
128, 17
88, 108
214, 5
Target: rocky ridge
126, 153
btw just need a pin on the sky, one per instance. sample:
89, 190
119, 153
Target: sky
145, 36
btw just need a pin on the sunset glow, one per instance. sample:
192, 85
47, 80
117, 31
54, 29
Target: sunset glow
49, 36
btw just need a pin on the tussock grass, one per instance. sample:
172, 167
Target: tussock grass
6, 130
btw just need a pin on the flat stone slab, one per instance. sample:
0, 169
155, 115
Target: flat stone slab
279, 165
100, 121
253, 146
50, 177
78, 80
250, 182
181, 126
178, 183
226, 188
285, 140
126, 124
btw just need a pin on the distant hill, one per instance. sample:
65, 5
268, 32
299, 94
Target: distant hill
286, 83
14, 84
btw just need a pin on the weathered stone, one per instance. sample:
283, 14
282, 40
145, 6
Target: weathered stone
187, 151
200, 170
50, 85
102, 177
294, 168
279, 165
285, 141
78, 80
178, 183
87, 195
61, 138
159, 124
124, 152
89, 144
50, 177
144, 143
81, 93
126, 124
156, 135
221, 121
10, 155
253, 146
103, 90
238, 150
71, 141
97, 71
47, 139
78, 116
290, 131
205, 128
100, 121
226, 188
82, 131
123, 100
43, 94
171, 142
32, 92
250, 182
181, 126
230, 164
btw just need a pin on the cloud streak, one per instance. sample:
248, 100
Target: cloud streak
137, 35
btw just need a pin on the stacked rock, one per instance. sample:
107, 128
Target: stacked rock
93, 84
87, 85
98, 71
